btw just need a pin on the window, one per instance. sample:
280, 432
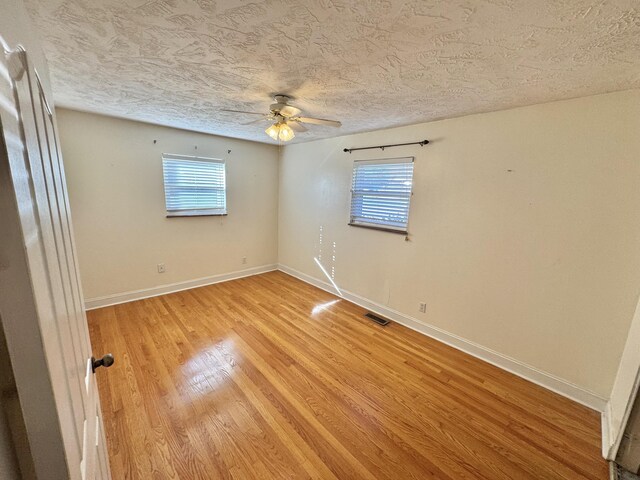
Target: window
194, 186
381, 193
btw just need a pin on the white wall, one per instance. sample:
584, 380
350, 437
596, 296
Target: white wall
524, 230
114, 174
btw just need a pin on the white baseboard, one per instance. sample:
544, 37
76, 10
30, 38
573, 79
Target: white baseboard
124, 297
546, 380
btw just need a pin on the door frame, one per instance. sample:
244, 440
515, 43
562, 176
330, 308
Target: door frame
615, 436
624, 392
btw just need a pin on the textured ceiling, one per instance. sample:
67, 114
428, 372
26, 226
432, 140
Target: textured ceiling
370, 63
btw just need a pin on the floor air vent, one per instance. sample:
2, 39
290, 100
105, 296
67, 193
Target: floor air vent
377, 319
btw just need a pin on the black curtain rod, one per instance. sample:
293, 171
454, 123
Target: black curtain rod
382, 147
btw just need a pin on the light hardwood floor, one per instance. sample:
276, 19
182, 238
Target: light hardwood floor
267, 377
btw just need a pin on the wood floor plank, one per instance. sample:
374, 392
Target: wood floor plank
267, 377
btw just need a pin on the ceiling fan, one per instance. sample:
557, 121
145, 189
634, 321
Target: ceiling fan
285, 119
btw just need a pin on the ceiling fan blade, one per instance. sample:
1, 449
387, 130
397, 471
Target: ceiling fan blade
240, 111
297, 126
289, 111
319, 121
252, 122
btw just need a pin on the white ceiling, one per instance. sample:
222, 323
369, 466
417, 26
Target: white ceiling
370, 63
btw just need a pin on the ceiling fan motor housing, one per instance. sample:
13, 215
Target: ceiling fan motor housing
282, 107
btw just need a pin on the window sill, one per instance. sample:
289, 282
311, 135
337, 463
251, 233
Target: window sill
382, 229
195, 214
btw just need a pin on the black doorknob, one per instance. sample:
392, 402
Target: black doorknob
105, 361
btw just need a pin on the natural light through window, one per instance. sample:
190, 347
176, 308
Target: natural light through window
326, 274
381, 193
194, 186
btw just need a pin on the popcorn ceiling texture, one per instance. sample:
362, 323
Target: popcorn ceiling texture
370, 63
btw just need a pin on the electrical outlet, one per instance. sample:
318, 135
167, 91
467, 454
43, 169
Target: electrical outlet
161, 268
244, 260
423, 308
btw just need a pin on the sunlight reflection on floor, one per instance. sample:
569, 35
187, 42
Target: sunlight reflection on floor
323, 306
204, 372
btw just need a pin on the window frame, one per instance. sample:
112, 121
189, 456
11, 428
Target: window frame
195, 212
376, 226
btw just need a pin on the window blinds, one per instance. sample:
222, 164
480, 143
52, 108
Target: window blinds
381, 193
194, 186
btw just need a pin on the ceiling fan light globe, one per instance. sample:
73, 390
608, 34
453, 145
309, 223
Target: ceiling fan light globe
286, 132
273, 131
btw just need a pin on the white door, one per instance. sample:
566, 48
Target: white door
41, 303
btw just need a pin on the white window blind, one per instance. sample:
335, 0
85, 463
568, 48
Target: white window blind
194, 185
381, 193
